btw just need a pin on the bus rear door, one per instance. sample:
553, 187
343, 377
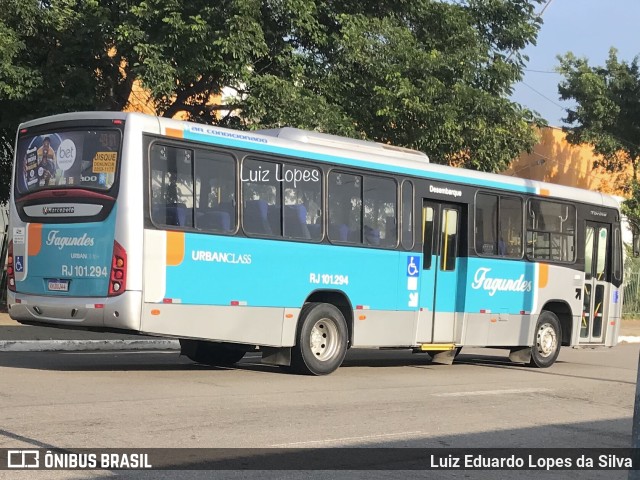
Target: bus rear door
596, 284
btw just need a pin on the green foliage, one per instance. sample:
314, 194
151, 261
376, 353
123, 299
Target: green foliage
433, 75
631, 206
607, 115
429, 75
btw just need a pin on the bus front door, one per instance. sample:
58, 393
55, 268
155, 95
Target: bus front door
596, 287
439, 283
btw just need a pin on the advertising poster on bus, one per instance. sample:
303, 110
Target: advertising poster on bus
63, 159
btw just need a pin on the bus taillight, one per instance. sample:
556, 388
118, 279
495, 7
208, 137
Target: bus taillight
11, 278
118, 278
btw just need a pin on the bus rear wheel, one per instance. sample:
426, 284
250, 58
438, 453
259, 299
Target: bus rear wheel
211, 353
547, 340
321, 341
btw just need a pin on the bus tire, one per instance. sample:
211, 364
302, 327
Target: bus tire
211, 353
321, 341
546, 340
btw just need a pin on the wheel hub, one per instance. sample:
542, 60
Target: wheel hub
323, 339
547, 341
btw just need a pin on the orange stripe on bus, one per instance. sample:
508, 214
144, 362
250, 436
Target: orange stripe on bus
545, 192
543, 278
175, 248
174, 132
35, 239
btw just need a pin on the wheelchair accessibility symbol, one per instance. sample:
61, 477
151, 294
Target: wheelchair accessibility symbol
413, 266
19, 263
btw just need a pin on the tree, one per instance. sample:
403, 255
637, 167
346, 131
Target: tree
429, 75
426, 74
606, 115
17, 79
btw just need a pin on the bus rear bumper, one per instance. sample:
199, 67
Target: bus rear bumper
121, 312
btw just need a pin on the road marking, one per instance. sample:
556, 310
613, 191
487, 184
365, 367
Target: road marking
628, 339
346, 439
492, 392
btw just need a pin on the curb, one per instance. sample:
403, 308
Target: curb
79, 345
115, 345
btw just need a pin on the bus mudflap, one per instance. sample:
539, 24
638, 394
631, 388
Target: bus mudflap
280, 356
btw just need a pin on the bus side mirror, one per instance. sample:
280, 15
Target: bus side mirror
636, 245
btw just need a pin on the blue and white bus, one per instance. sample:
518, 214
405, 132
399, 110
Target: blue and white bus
300, 244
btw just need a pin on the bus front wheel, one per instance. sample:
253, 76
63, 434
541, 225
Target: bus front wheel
546, 340
321, 341
211, 353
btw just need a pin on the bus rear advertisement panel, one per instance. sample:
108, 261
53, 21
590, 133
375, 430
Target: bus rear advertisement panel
69, 158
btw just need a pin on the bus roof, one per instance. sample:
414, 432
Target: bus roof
343, 143
341, 150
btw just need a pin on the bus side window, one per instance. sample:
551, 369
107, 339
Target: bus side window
498, 225
551, 228
215, 191
407, 215
427, 237
617, 255
449, 241
302, 202
345, 207
380, 212
262, 194
487, 224
171, 185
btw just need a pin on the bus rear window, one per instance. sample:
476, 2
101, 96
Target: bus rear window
67, 159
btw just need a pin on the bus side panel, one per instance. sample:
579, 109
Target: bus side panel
246, 325
154, 265
380, 328
558, 282
183, 268
130, 221
612, 327
499, 299
386, 327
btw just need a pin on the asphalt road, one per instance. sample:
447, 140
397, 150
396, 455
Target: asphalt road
377, 399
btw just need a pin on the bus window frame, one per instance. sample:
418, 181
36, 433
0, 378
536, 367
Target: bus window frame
523, 222
234, 158
149, 141
282, 161
400, 222
50, 128
575, 206
364, 174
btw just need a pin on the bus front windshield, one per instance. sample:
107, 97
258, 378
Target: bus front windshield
67, 159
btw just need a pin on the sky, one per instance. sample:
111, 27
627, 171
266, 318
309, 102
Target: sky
588, 28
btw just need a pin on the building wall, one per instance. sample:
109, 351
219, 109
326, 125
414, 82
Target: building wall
140, 101
555, 160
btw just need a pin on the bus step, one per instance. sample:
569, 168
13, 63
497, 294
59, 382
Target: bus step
426, 347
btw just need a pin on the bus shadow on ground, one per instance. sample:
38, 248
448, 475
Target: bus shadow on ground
172, 360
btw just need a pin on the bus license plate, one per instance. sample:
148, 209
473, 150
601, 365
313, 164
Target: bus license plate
59, 285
